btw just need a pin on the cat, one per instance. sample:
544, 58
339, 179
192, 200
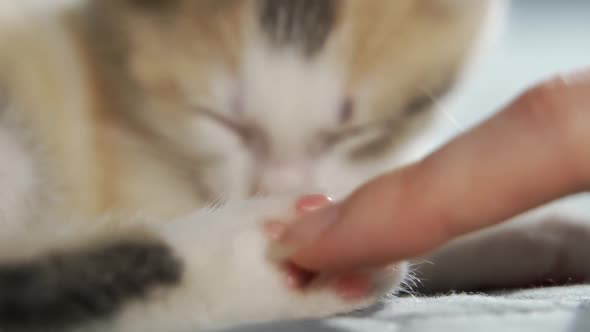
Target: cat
145, 142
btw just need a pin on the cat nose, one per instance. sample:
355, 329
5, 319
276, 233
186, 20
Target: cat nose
281, 180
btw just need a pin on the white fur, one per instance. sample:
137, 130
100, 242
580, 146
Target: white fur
290, 97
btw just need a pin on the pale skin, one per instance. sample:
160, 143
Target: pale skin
535, 150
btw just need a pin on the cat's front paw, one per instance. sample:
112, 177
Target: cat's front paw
273, 285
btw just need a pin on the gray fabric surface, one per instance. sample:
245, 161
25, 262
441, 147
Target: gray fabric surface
563, 309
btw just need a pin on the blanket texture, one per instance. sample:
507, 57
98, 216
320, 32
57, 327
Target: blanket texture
555, 309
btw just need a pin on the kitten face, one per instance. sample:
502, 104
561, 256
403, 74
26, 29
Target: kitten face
287, 95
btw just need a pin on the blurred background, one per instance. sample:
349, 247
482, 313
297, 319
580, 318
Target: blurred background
541, 38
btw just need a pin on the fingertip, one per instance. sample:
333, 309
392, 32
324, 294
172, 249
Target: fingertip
310, 227
311, 203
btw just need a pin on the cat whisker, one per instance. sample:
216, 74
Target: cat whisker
452, 119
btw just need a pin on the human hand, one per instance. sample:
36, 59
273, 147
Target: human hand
534, 151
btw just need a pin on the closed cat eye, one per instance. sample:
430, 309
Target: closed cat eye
249, 135
328, 139
426, 98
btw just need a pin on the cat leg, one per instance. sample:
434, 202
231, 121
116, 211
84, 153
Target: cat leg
212, 269
550, 250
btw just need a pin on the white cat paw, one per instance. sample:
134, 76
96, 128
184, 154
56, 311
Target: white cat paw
259, 281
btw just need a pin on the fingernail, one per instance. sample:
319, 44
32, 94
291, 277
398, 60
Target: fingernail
310, 227
312, 203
